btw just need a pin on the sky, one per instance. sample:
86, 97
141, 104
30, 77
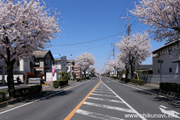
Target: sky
93, 26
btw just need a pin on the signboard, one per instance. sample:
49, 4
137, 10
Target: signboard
34, 80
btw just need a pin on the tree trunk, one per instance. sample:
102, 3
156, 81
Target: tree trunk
85, 74
10, 65
132, 71
127, 71
132, 68
10, 79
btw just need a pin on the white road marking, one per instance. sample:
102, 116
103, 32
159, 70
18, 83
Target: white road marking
102, 99
132, 109
96, 115
163, 106
146, 91
169, 112
103, 95
108, 92
39, 99
109, 107
103, 92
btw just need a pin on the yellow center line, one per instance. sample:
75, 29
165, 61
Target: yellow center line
71, 114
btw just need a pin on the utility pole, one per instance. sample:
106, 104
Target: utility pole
128, 26
113, 50
71, 77
128, 34
114, 58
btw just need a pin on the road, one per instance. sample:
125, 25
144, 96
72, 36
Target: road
93, 100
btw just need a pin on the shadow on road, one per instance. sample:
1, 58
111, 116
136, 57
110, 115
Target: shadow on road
160, 97
46, 95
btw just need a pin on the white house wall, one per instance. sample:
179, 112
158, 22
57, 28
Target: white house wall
167, 63
24, 65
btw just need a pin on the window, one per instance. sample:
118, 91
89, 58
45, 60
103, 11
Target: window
170, 70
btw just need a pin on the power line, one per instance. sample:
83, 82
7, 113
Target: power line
85, 49
90, 40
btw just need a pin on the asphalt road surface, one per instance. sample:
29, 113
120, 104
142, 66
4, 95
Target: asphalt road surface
96, 99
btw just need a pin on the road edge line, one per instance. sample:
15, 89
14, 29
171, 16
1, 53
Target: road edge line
71, 114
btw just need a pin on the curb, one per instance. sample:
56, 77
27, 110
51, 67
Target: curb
12, 101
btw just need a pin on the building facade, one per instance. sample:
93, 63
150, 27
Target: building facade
43, 61
166, 63
75, 69
60, 64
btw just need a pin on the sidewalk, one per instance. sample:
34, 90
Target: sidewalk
50, 86
149, 86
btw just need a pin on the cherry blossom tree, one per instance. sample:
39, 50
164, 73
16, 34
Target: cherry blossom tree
162, 15
118, 63
108, 68
25, 26
134, 50
92, 69
84, 61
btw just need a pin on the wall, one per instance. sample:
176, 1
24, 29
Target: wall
155, 78
24, 65
15, 76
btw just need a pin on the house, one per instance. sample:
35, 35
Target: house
166, 63
75, 69
144, 72
21, 67
43, 61
60, 64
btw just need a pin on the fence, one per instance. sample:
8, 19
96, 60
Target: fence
156, 78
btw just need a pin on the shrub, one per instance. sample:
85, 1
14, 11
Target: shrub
56, 84
170, 87
78, 79
74, 76
30, 75
114, 77
21, 92
139, 82
83, 78
125, 80
40, 75
65, 75
59, 83
2, 96
63, 82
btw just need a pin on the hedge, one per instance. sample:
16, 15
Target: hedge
59, 83
114, 77
21, 92
125, 80
170, 87
78, 79
3, 96
136, 81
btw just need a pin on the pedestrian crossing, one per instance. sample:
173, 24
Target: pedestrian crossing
103, 104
